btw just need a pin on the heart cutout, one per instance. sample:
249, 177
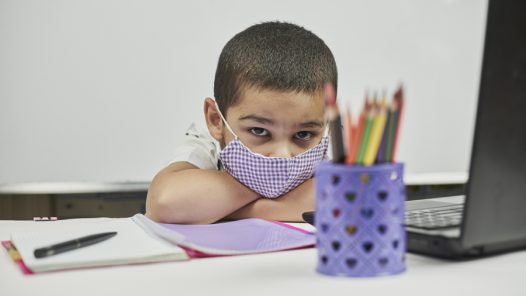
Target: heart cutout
364, 178
382, 195
324, 259
336, 246
351, 262
367, 213
350, 196
395, 244
336, 213
335, 179
368, 247
324, 227
382, 229
351, 230
324, 193
383, 261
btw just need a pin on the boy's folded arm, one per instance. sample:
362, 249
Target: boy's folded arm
288, 207
183, 193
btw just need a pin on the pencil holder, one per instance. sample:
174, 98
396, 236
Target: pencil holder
359, 219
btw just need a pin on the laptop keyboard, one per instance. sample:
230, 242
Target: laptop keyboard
435, 218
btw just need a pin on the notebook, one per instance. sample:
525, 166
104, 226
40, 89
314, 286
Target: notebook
247, 236
131, 245
141, 240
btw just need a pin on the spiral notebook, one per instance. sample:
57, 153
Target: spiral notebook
141, 240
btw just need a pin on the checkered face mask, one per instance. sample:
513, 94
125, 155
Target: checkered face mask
270, 176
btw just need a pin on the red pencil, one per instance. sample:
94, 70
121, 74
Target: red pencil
399, 98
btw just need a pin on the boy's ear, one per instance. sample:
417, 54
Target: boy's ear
213, 120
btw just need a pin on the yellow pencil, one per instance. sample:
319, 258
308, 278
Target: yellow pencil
376, 136
14, 254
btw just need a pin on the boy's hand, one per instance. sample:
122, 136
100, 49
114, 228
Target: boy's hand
288, 207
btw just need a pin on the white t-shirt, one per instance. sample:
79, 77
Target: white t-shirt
198, 148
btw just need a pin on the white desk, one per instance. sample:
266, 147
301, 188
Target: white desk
275, 274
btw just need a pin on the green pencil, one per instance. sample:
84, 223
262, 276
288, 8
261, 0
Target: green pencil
365, 136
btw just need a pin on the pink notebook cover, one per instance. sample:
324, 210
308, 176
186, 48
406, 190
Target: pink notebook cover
15, 256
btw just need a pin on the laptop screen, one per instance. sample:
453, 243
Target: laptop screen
496, 191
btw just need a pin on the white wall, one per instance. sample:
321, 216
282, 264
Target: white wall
103, 90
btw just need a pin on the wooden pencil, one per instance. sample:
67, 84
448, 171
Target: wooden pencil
399, 98
364, 141
376, 135
349, 133
357, 135
390, 131
335, 124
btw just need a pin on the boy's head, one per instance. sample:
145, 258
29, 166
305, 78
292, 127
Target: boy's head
269, 86
274, 56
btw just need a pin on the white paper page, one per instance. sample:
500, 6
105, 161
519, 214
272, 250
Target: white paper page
130, 245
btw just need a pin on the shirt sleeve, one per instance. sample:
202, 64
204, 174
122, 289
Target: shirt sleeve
198, 148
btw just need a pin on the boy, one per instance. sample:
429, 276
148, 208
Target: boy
268, 118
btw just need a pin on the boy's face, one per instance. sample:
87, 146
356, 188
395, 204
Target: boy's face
273, 123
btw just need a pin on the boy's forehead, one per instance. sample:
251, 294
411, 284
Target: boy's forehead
253, 98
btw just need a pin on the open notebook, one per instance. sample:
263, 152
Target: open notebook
141, 240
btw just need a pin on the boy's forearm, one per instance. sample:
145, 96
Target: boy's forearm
288, 207
181, 193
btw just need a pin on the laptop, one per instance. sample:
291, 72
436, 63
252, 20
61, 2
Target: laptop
491, 217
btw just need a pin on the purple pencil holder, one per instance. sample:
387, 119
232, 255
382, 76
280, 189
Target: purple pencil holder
359, 219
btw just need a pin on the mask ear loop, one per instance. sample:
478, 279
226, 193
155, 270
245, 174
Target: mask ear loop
224, 120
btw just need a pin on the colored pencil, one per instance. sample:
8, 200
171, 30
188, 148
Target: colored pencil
357, 134
364, 141
349, 130
335, 124
399, 98
380, 157
376, 135
390, 132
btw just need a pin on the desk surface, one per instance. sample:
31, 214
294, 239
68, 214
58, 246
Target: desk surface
282, 273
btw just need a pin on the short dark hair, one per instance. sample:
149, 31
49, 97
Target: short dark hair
273, 55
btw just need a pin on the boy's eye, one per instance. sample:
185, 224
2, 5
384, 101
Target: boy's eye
303, 136
258, 131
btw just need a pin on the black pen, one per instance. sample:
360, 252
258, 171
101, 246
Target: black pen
72, 244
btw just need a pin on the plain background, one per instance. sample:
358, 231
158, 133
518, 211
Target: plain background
104, 90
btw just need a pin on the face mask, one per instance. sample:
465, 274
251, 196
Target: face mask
270, 176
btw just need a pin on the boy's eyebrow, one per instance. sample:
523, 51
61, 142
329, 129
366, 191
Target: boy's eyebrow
259, 119
263, 120
312, 123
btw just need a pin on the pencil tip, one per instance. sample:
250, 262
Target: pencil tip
330, 94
